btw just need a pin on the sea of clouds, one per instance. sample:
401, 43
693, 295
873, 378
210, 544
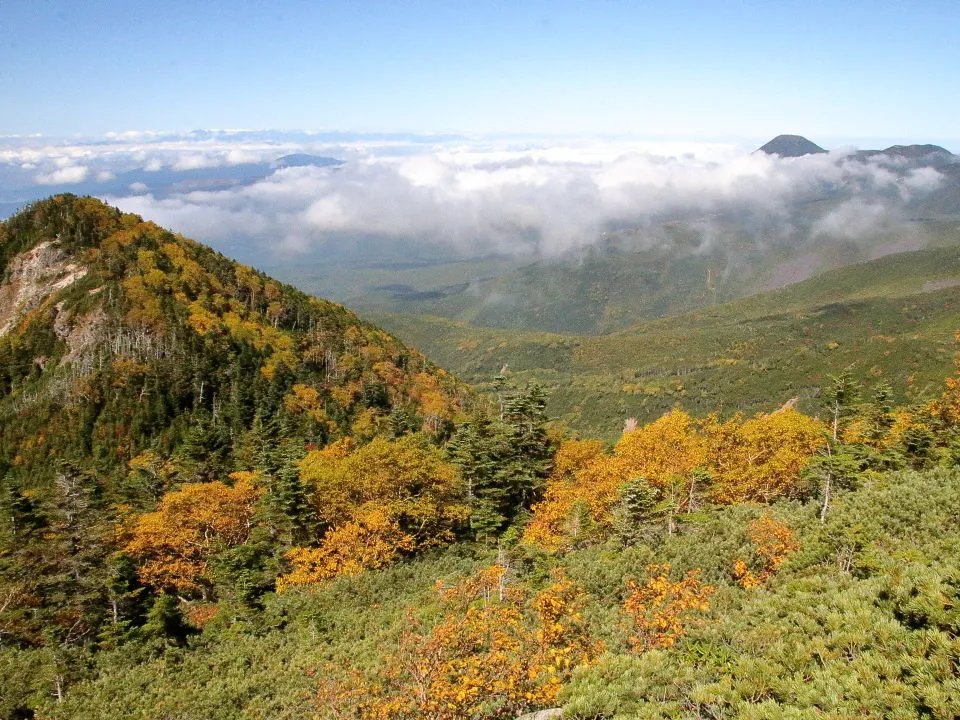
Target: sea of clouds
502, 194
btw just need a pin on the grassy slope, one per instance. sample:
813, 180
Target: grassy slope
893, 319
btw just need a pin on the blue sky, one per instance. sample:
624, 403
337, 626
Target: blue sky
833, 71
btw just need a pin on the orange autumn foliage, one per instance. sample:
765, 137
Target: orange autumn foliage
754, 460
174, 542
946, 408
773, 542
588, 482
661, 609
496, 652
582, 474
371, 540
367, 542
434, 403
199, 614
760, 459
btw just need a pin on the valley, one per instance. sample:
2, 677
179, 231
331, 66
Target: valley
890, 319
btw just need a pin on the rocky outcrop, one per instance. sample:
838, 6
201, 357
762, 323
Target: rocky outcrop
551, 714
34, 276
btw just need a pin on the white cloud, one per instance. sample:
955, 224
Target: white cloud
194, 161
922, 179
505, 197
481, 193
65, 175
856, 218
241, 156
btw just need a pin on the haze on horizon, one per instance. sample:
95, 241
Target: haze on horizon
471, 196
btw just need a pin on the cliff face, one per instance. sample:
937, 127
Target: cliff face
32, 277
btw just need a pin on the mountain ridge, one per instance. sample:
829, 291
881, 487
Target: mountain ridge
91, 294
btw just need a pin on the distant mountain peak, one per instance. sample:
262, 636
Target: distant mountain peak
305, 160
791, 146
912, 156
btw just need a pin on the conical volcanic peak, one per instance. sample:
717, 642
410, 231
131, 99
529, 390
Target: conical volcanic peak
791, 146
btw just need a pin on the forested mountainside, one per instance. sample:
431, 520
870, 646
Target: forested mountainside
771, 567
221, 498
135, 362
135, 338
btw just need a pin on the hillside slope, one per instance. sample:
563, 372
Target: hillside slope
860, 622
892, 319
639, 274
133, 336
299, 535
140, 371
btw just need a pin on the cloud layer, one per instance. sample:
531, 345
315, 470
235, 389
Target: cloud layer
504, 195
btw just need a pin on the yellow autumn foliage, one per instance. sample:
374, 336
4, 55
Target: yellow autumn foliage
371, 540
377, 501
306, 400
668, 448
583, 476
760, 459
946, 408
497, 651
661, 609
174, 542
754, 460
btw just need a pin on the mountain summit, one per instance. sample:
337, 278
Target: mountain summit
791, 146
118, 337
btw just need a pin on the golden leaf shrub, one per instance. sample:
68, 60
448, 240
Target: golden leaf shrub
497, 651
376, 501
174, 542
661, 609
773, 542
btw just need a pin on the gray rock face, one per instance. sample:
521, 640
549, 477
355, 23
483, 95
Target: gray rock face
551, 714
